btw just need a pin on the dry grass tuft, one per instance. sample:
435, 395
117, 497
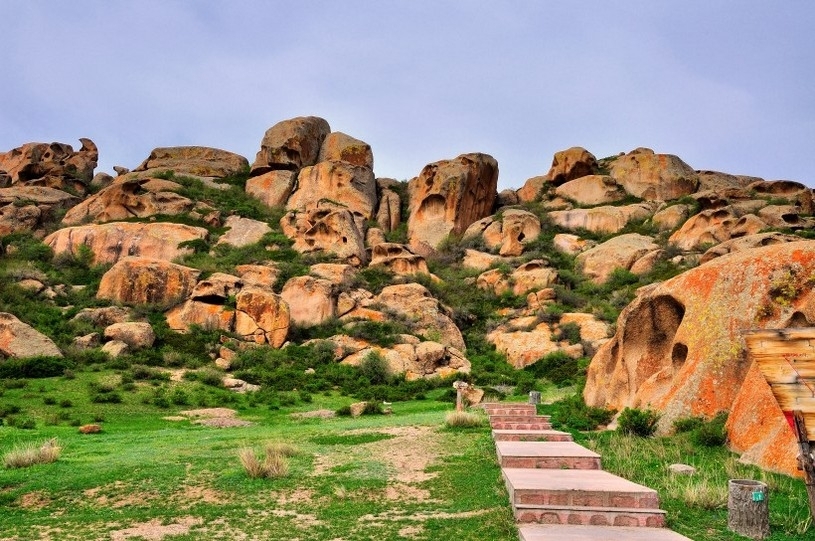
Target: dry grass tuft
275, 464
29, 455
463, 419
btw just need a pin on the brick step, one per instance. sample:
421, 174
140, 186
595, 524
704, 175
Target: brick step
512, 411
594, 516
560, 532
522, 406
519, 418
515, 425
580, 488
546, 455
530, 435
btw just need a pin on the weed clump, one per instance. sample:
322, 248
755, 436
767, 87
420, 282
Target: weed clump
272, 466
463, 419
29, 455
638, 422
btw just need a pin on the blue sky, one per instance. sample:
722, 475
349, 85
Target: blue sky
725, 85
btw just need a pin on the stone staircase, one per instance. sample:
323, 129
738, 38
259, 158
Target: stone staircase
558, 489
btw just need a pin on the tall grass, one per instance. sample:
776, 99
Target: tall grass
464, 419
31, 454
273, 465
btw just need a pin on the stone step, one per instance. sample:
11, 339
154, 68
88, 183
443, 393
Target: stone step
512, 411
519, 418
611, 517
546, 455
561, 532
522, 406
518, 425
530, 435
579, 488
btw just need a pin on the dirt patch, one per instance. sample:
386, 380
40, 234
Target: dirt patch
117, 495
175, 418
189, 495
215, 417
209, 413
300, 495
315, 414
390, 516
34, 501
411, 531
398, 492
301, 520
154, 530
409, 453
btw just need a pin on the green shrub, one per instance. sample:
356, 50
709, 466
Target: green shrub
687, 424
638, 422
373, 408
569, 332
573, 413
557, 367
34, 367
375, 369
711, 433
25, 423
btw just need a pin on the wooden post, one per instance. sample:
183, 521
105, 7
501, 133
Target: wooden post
805, 457
748, 513
459, 386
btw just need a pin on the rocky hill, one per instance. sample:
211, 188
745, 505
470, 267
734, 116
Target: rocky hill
303, 269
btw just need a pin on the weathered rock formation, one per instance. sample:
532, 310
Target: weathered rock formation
448, 196
193, 161
335, 185
678, 347
571, 164
18, 339
113, 241
620, 252
654, 177
340, 147
431, 318
291, 144
605, 219
398, 258
592, 190
332, 231
141, 280
54, 165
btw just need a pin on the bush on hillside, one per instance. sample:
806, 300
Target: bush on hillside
637, 422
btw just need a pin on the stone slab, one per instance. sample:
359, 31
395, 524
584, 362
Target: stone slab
595, 488
546, 455
531, 435
564, 532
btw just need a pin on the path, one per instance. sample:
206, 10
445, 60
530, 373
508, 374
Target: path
558, 489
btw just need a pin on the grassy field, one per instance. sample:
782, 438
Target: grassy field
399, 476
154, 473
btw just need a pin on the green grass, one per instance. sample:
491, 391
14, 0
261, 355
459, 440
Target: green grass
697, 504
349, 478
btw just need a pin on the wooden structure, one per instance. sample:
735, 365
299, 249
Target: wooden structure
786, 358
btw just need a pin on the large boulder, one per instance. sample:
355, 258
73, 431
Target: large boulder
141, 280
792, 191
291, 144
448, 196
525, 341
510, 232
533, 188
398, 258
335, 185
272, 188
326, 231
193, 160
592, 190
136, 334
389, 209
714, 226
311, 300
747, 243
112, 241
654, 177
243, 231
338, 146
679, 349
132, 198
261, 316
621, 252
570, 164
431, 318
18, 339
27, 208
605, 219
54, 165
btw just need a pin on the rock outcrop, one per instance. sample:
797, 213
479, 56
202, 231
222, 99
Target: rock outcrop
17, 339
605, 219
291, 144
328, 231
592, 190
678, 347
53, 165
398, 258
340, 147
141, 280
654, 177
193, 161
272, 188
570, 164
431, 318
448, 196
620, 252
112, 241
335, 185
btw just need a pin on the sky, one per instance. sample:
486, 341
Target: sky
726, 85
